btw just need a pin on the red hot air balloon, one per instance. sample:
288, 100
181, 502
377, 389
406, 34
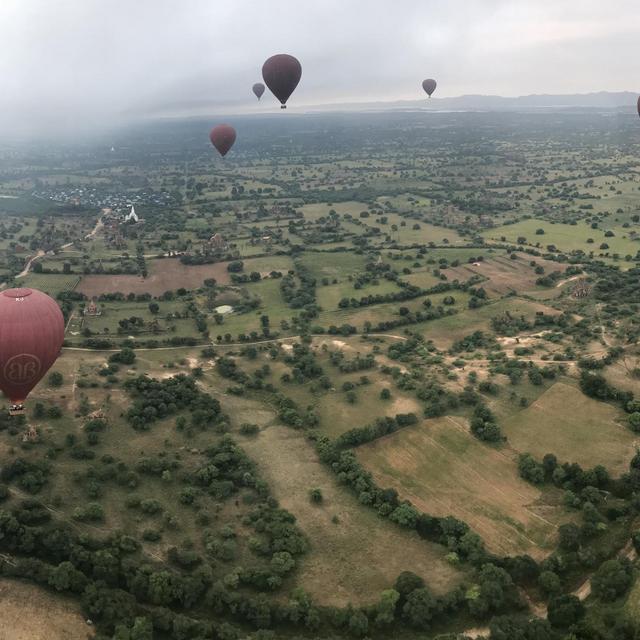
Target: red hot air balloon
222, 138
429, 85
258, 89
31, 336
281, 73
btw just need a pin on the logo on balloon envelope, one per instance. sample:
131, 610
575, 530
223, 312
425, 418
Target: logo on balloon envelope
22, 369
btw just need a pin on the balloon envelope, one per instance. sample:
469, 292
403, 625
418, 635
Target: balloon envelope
258, 89
281, 73
31, 336
222, 138
429, 85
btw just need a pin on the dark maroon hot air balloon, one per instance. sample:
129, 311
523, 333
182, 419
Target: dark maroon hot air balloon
281, 73
429, 85
222, 138
31, 335
258, 89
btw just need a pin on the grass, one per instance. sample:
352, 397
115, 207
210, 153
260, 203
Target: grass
389, 311
337, 415
329, 296
568, 237
64, 492
445, 331
50, 283
29, 612
575, 428
355, 558
444, 470
272, 304
333, 265
504, 275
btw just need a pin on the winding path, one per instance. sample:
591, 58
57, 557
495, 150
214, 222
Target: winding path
32, 259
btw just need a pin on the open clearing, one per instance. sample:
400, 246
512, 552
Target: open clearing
443, 470
575, 428
356, 558
568, 237
504, 275
445, 331
31, 613
167, 274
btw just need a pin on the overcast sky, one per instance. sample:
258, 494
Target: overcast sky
69, 62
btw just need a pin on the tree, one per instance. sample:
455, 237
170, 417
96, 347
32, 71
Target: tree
235, 266
406, 515
612, 579
54, 412
358, 624
56, 379
634, 421
65, 577
154, 307
386, 607
530, 470
420, 608
570, 537
497, 591
565, 610
550, 583
520, 628
39, 411
142, 629
124, 356
407, 582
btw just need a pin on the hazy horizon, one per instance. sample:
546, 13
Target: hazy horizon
73, 64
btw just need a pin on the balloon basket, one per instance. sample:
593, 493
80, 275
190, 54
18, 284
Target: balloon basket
283, 106
16, 411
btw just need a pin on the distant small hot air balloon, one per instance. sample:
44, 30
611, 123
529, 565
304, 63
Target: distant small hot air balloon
258, 89
222, 138
429, 85
281, 73
31, 336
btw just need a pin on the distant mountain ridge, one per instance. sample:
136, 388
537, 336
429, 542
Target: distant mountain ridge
599, 100
602, 100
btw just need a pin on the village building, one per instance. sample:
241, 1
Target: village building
92, 309
132, 216
581, 289
217, 242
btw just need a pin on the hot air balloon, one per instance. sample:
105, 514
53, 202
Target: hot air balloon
429, 85
639, 106
31, 336
281, 73
258, 89
222, 138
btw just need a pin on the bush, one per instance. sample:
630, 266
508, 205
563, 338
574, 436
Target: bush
93, 512
124, 356
54, 412
56, 379
248, 429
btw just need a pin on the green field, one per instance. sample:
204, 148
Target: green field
561, 418
569, 237
443, 469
